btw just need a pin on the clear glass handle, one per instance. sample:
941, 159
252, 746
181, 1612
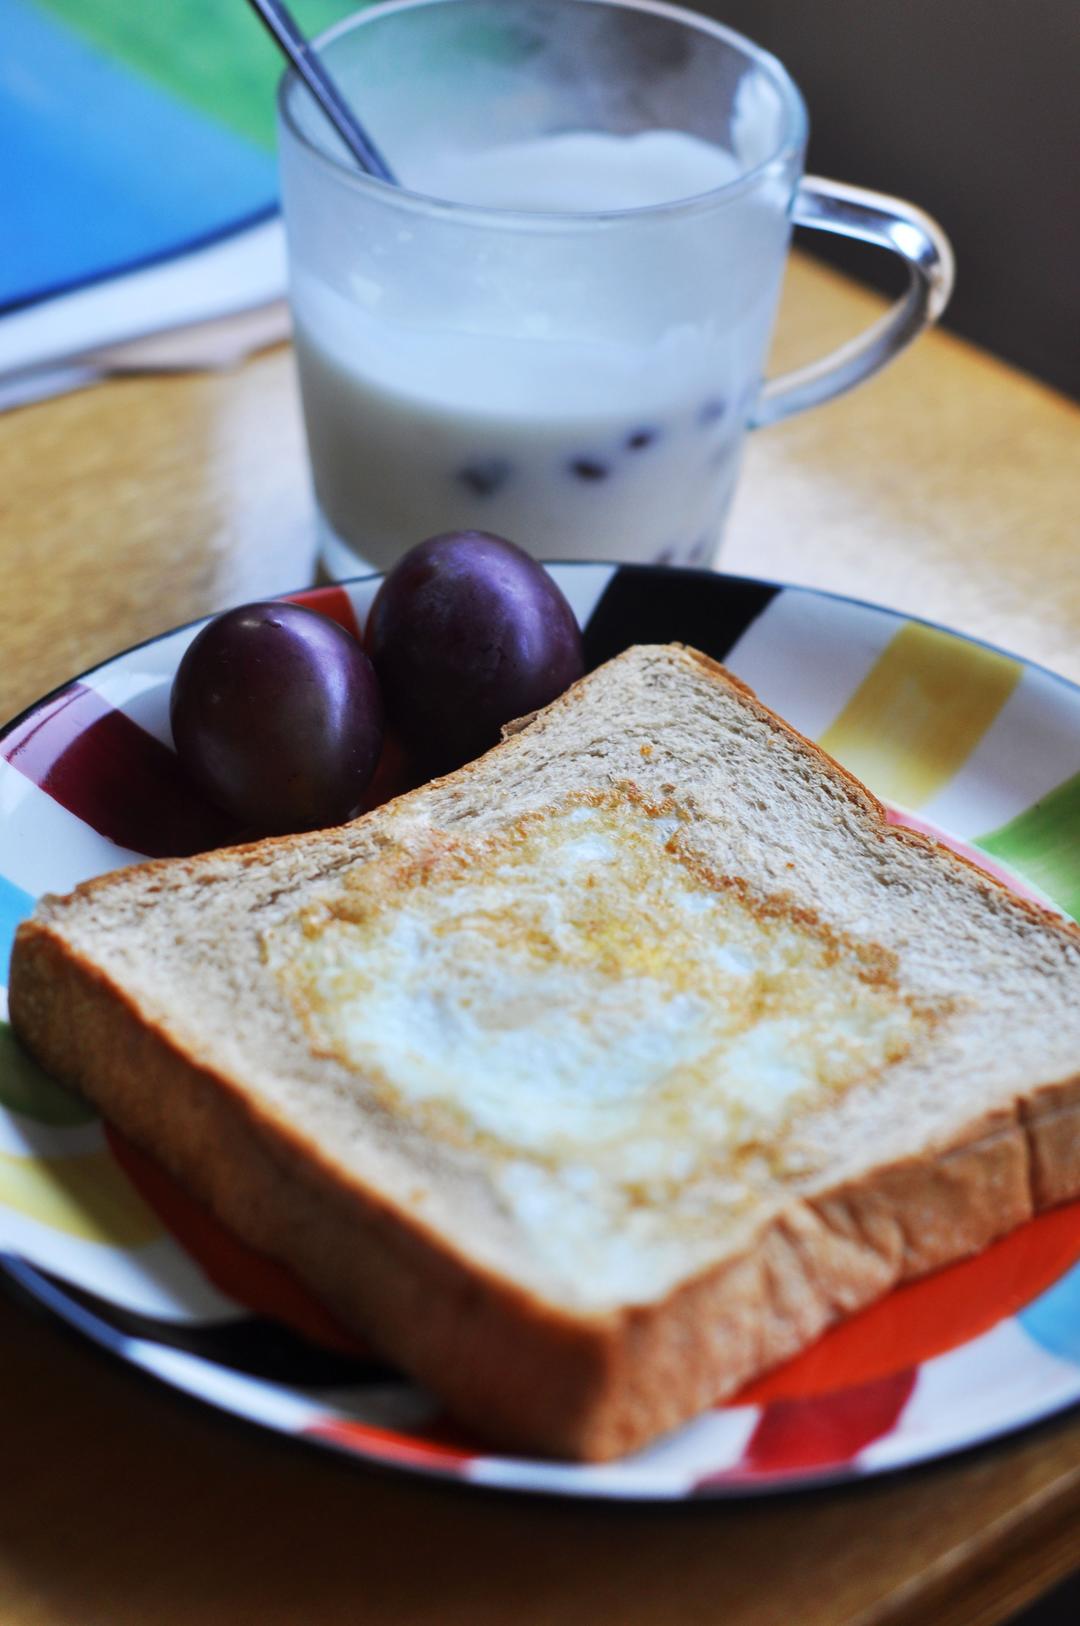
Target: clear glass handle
872, 217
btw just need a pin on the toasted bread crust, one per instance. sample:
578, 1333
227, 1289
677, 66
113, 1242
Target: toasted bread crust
511, 1366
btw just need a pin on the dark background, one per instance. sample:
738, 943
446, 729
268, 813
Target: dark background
970, 108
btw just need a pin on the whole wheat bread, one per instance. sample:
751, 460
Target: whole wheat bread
595, 1079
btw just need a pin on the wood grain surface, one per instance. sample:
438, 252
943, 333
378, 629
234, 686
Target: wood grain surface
947, 487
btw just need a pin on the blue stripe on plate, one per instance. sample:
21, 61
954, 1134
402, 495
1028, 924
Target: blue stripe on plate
15, 905
1053, 1320
40, 1288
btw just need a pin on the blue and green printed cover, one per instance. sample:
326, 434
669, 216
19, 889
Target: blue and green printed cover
129, 131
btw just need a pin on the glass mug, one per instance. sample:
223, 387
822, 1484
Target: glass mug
579, 382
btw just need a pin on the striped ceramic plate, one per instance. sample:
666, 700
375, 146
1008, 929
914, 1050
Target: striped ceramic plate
977, 745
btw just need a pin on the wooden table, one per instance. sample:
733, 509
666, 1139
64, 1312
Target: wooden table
947, 487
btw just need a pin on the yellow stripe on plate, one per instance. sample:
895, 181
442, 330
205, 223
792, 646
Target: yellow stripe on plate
919, 713
86, 1196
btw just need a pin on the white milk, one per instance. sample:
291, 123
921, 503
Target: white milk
607, 432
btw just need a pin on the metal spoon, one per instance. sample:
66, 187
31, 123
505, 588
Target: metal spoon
288, 36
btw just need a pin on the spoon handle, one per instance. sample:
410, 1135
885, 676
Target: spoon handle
286, 33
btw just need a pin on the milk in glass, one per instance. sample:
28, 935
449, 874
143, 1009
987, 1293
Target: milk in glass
581, 400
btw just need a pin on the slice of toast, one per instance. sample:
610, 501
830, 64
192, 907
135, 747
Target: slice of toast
593, 1080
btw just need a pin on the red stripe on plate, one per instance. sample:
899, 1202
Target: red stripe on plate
114, 776
826, 1431
388, 1445
923, 1319
333, 602
254, 1280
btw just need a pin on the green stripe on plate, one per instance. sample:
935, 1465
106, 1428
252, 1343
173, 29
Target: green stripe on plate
25, 1089
1043, 845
